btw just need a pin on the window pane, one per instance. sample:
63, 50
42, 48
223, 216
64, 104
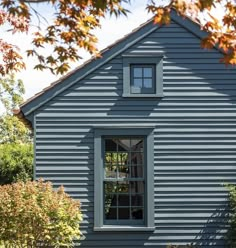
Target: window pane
123, 213
137, 145
111, 214
136, 171
110, 171
137, 213
123, 172
137, 200
123, 144
122, 187
147, 72
138, 82
123, 158
111, 158
110, 145
137, 187
147, 83
110, 201
110, 187
137, 72
136, 158
123, 200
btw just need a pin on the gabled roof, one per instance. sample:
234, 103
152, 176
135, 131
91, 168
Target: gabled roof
32, 104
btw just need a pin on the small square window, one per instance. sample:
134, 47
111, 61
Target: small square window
142, 79
142, 76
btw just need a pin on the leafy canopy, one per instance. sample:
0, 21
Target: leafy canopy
16, 162
12, 130
75, 21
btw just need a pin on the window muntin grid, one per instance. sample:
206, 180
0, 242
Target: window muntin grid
124, 184
142, 79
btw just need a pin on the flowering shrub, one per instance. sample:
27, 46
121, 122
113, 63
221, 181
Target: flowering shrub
32, 214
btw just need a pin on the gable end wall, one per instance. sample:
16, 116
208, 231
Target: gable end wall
194, 143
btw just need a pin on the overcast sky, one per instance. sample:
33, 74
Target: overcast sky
112, 29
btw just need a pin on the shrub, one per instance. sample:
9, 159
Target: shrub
231, 235
32, 214
16, 162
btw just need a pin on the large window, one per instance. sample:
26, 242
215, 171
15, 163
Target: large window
124, 182
142, 76
123, 179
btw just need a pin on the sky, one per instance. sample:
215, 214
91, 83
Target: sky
112, 30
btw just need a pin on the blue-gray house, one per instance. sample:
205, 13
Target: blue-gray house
145, 137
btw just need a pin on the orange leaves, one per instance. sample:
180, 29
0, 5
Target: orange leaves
72, 28
161, 14
10, 59
76, 20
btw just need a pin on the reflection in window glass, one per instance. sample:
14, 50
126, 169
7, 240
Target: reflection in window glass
124, 179
147, 72
142, 79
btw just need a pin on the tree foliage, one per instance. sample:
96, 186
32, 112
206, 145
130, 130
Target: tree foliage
16, 162
11, 92
12, 130
32, 214
231, 235
75, 21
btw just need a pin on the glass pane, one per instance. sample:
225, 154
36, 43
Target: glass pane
111, 214
137, 82
123, 158
147, 72
123, 172
147, 83
110, 171
110, 145
123, 144
137, 200
110, 187
136, 158
110, 201
108, 158
137, 72
123, 213
137, 145
136, 172
123, 187
123, 200
137, 187
137, 213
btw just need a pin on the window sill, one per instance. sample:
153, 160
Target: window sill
143, 95
114, 228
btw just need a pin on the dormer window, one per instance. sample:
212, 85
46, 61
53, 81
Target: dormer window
142, 76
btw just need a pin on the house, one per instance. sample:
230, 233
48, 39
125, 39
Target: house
145, 137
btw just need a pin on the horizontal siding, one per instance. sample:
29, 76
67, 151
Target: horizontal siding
194, 147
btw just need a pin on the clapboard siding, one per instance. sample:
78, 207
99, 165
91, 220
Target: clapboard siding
194, 146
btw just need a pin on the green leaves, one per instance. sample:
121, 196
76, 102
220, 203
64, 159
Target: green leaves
11, 91
16, 162
33, 215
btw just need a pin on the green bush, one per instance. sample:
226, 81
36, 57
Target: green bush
32, 214
16, 162
231, 235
